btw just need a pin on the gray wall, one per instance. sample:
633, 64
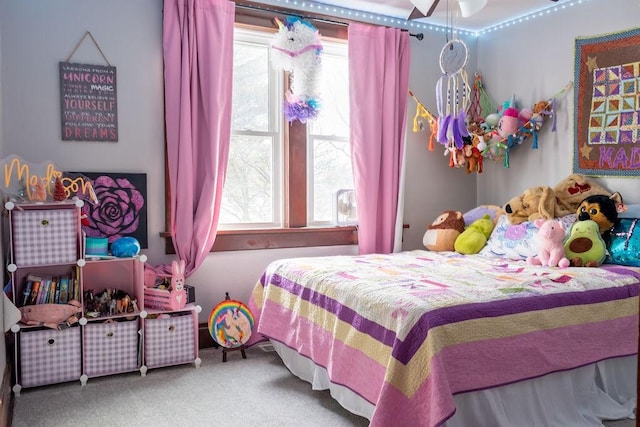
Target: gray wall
535, 60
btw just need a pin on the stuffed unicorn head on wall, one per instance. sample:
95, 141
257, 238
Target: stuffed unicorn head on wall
296, 48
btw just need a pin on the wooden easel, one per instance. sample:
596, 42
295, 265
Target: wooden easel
225, 350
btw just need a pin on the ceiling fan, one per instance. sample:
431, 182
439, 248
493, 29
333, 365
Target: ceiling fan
425, 8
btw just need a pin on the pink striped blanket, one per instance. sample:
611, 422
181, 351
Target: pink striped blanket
408, 331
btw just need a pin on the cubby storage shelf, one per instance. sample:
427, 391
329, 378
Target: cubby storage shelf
45, 241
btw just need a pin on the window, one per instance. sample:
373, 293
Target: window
328, 152
282, 178
252, 195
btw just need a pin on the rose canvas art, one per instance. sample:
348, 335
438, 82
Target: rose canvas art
121, 209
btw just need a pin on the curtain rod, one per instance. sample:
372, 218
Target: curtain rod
419, 36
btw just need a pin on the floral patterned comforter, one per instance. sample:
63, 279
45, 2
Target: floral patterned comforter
407, 331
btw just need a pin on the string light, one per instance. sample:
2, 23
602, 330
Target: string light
559, 6
373, 18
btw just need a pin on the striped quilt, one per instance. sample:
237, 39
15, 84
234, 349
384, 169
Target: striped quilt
407, 331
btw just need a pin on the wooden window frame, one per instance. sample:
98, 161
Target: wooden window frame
295, 233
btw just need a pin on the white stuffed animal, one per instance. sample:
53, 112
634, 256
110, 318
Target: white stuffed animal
296, 48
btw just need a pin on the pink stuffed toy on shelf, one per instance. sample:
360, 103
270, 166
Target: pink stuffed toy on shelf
550, 244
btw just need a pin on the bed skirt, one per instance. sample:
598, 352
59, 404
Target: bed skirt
581, 397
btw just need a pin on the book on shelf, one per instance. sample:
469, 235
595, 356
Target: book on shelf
35, 288
56, 295
64, 290
26, 291
52, 290
74, 281
43, 291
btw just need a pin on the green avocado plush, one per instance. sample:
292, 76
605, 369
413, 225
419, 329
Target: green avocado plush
585, 246
475, 236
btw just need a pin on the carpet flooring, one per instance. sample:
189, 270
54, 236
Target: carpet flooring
257, 391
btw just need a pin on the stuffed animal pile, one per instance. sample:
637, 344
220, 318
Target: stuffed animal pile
548, 202
595, 208
450, 226
596, 212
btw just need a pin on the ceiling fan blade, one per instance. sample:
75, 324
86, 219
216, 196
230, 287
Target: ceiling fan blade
417, 13
471, 7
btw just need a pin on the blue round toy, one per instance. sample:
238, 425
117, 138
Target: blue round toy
125, 247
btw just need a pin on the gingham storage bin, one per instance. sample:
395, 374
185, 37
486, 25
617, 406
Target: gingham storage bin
47, 236
169, 341
110, 348
49, 356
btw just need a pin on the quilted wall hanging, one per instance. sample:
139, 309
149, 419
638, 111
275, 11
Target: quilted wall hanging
607, 104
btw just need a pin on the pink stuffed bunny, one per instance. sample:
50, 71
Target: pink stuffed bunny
178, 295
550, 249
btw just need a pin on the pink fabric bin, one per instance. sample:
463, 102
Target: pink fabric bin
169, 341
110, 348
49, 356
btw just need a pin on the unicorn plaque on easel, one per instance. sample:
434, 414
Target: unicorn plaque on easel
230, 325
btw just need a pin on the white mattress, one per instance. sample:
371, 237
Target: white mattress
581, 397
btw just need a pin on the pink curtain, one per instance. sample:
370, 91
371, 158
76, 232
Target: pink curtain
198, 67
379, 60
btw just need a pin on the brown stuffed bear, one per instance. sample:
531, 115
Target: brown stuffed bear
443, 231
532, 204
572, 190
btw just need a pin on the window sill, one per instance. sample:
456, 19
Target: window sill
236, 240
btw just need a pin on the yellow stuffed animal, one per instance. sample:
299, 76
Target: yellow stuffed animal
534, 203
475, 236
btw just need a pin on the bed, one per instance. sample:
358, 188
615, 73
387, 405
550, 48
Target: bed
426, 338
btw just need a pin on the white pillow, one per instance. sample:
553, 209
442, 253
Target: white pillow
518, 241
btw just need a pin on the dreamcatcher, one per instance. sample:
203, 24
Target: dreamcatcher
470, 124
452, 97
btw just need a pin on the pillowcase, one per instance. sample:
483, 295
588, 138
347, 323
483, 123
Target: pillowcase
518, 241
494, 211
624, 243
